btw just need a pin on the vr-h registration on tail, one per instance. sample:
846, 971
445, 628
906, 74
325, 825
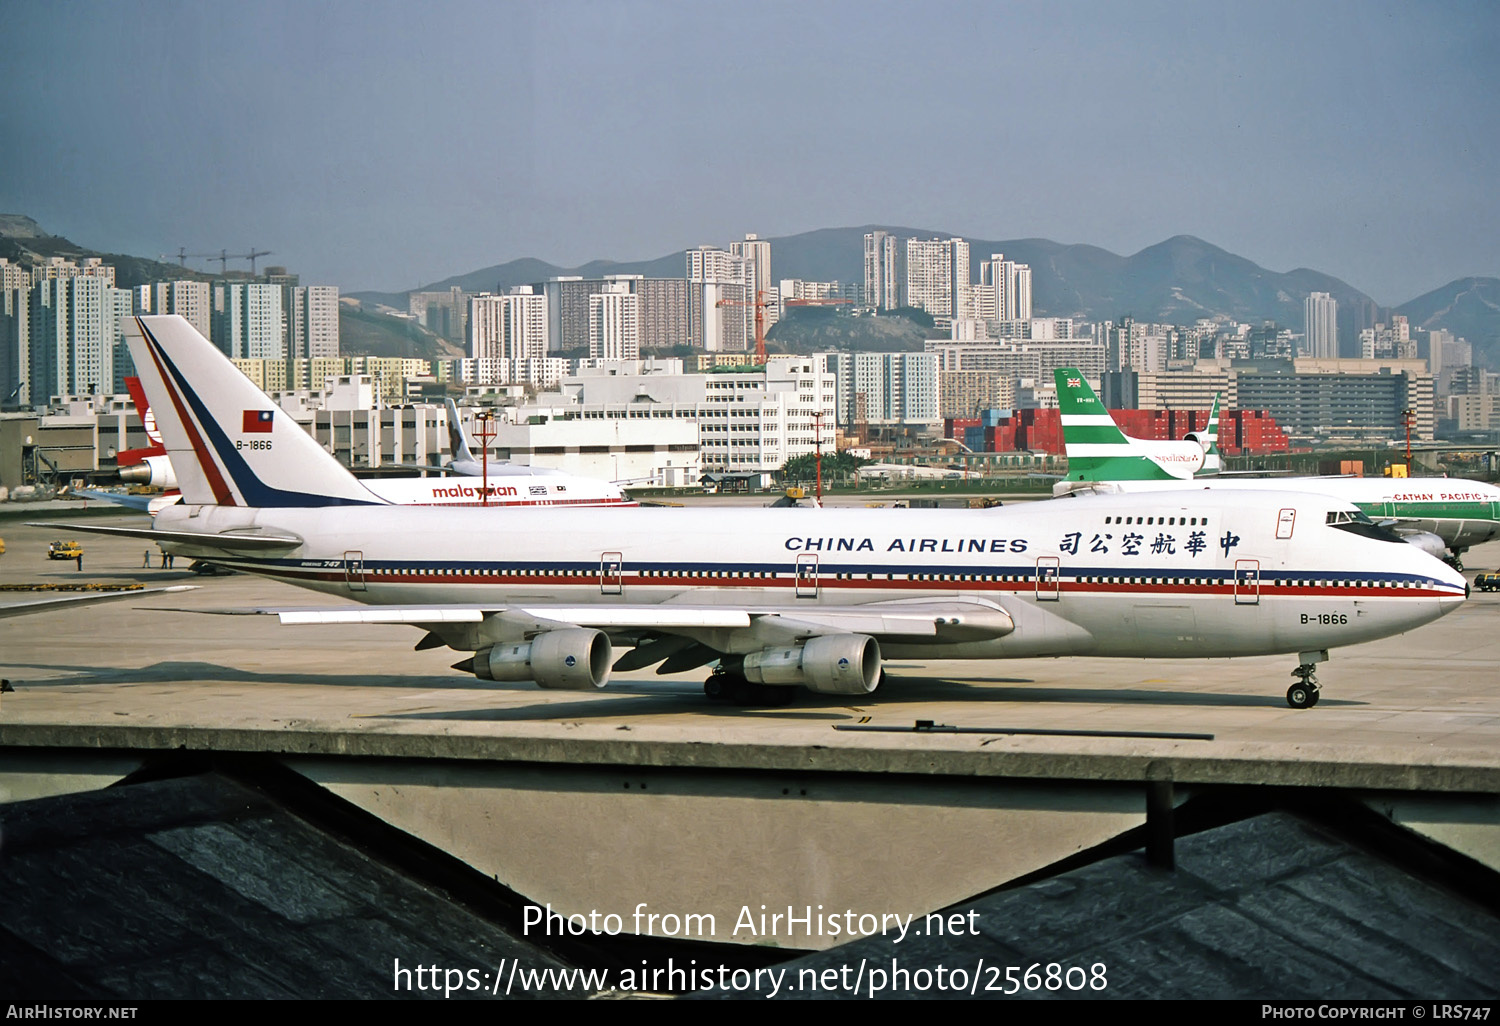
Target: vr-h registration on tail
810, 597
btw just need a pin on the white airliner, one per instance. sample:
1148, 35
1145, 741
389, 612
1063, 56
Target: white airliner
464, 464
1442, 516
811, 597
508, 486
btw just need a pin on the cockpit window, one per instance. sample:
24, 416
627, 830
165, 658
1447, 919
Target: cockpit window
1355, 522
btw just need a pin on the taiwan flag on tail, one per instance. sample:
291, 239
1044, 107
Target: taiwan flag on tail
257, 422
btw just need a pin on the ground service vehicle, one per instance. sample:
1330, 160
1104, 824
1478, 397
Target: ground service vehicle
64, 550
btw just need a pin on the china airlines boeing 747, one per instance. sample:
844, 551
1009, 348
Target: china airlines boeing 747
810, 597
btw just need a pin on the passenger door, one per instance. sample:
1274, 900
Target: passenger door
354, 570
611, 574
1048, 570
1247, 582
807, 575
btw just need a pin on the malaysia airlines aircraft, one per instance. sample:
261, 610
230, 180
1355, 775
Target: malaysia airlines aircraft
508, 486
812, 597
1443, 516
464, 464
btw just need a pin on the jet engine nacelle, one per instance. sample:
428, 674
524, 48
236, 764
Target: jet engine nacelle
576, 659
1428, 542
831, 664
155, 471
1201, 439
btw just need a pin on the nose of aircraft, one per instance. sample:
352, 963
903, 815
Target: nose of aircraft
1452, 586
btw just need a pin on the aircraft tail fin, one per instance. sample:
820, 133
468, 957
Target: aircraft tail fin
1096, 447
230, 444
458, 438
1213, 461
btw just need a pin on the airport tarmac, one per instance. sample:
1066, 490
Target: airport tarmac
645, 794
1425, 703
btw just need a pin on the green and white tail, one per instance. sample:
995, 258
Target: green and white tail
1097, 449
1209, 440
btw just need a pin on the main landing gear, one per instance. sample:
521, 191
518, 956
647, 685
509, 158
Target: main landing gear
733, 689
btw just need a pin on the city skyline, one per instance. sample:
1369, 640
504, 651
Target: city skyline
378, 147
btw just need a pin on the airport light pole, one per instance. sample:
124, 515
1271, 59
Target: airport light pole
818, 444
485, 431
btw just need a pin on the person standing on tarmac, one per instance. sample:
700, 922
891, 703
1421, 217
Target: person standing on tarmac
79, 557
146, 560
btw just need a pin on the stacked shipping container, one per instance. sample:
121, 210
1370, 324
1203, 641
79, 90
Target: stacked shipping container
1240, 431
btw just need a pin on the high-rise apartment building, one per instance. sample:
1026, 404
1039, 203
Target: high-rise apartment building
508, 327
248, 320
1322, 336
715, 277
663, 312
935, 271
443, 313
756, 254
64, 339
15, 359
884, 387
13, 276
885, 270
190, 299
661, 305
61, 267
313, 328
1388, 341
1007, 290
614, 323
568, 312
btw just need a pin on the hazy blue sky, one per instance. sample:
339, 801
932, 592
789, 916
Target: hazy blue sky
386, 145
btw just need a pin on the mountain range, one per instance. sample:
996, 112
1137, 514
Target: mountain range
1175, 281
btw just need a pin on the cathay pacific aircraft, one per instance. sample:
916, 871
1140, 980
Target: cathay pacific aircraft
808, 597
1442, 515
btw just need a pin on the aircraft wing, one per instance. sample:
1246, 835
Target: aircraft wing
731, 628
49, 604
259, 541
139, 503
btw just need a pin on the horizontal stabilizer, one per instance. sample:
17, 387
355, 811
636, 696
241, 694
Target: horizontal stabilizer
44, 605
262, 541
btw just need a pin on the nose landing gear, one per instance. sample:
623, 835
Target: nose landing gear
1304, 694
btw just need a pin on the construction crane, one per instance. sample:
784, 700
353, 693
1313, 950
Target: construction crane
760, 305
252, 255
223, 256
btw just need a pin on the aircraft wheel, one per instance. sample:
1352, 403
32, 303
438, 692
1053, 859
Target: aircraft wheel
730, 688
1301, 696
